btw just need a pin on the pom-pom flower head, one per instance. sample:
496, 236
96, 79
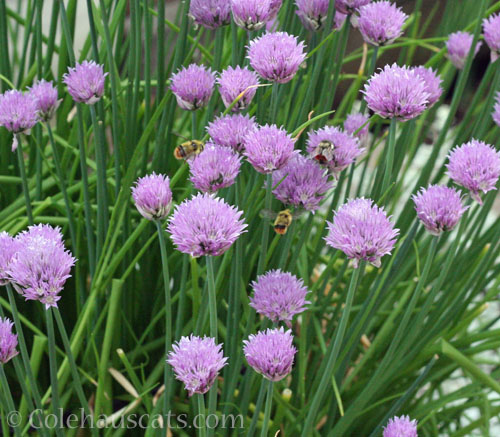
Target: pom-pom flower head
8, 248
303, 183
8, 341
380, 23
348, 7
279, 296
205, 225
196, 362
215, 168
432, 83
401, 427
45, 95
439, 208
491, 28
210, 13
230, 130
41, 265
270, 353
152, 196
476, 166
362, 231
397, 92
496, 110
458, 45
276, 56
18, 113
254, 14
334, 148
353, 123
312, 13
235, 81
193, 86
268, 148
85, 82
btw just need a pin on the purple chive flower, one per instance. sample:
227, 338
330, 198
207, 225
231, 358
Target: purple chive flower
152, 196
303, 183
491, 30
397, 92
85, 82
276, 56
401, 427
196, 362
439, 208
458, 46
339, 20
348, 7
234, 81
18, 113
45, 95
254, 14
334, 148
353, 122
270, 353
312, 13
8, 341
193, 86
42, 264
432, 83
381, 23
362, 231
230, 130
210, 13
268, 148
205, 225
8, 248
279, 296
215, 168
496, 110
476, 166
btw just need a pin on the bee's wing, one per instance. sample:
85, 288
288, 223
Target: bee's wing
298, 213
267, 213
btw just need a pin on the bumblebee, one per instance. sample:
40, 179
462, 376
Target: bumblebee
282, 219
323, 151
189, 149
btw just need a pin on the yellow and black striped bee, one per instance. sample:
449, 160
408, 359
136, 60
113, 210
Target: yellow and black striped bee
323, 152
189, 149
282, 219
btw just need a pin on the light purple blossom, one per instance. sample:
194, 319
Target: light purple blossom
401, 427
45, 95
205, 225
152, 196
312, 13
304, 183
270, 353
18, 113
439, 208
254, 14
476, 166
397, 92
491, 30
353, 122
348, 7
230, 130
276, 56
279, 296
196, 362
234, 81
432, 83
210, 13
334, 148
215, 168
268, 148
193, 86
362, 231
8, 248
41, 265
381, 23
8, 341
339, 20
496, 110
85, 82
458, 45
